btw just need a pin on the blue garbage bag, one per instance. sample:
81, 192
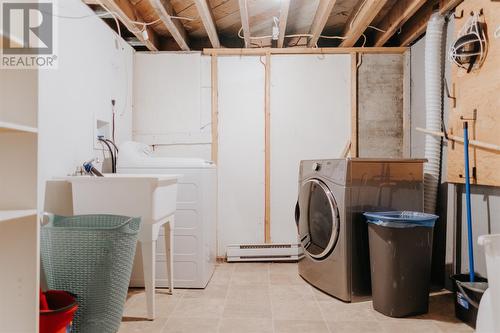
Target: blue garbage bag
401, 219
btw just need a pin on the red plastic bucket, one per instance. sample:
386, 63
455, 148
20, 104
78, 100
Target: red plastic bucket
61, 309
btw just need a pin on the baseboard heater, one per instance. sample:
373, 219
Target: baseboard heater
264, 252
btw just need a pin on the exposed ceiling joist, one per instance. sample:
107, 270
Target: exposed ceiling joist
416, 25
285, 7
360, 21
397, 16
245, 23
208, 21
126, 14
165, 12
447, 5
320, 18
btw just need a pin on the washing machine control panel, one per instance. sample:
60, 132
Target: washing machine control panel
333, 169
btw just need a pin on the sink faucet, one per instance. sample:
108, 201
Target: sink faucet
90, 169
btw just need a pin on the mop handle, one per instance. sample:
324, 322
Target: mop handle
467, 200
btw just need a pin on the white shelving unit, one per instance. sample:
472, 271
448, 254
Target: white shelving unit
7, 215
13, 127
19, 227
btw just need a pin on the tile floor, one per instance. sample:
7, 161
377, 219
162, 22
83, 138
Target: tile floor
271, 297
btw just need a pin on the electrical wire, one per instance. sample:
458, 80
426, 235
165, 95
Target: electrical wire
113, 114
300, 36
306, 35
375, 28
332, 37
288, 36
112, 13
144, 24
356, 14
115, 16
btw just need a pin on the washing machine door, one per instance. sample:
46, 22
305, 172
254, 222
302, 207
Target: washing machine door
317, 218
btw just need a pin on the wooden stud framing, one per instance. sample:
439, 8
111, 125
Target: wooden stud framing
358, 23
407, 105
298, 50
208, 21
417, 24
125, 12
267, 110
214, 79
354, 104
165, 12
447, 5
397, 16
245, 23
320, 18
285, 7
215, 108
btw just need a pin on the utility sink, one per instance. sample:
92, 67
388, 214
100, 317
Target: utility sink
152, 197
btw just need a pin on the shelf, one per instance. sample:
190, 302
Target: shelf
15, 214
14, 40
12, 127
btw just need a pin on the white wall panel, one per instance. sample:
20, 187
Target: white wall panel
310, 119
165, 98
241, 151
95, 66
172, 103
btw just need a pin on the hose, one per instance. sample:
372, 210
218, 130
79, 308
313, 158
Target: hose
113, 165
433, 105
116, 152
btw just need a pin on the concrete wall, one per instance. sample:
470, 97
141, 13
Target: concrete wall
95, 66
380, 105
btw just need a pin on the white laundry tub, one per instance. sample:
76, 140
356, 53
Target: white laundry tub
152, 197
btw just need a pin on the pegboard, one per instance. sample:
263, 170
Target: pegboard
478, 101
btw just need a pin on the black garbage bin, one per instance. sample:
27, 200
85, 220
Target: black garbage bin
400, 261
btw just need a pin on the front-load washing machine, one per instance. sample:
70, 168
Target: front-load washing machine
333, 194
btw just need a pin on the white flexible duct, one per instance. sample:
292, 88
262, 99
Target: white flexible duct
433, 106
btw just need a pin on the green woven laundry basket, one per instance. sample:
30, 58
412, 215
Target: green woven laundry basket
91, 256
